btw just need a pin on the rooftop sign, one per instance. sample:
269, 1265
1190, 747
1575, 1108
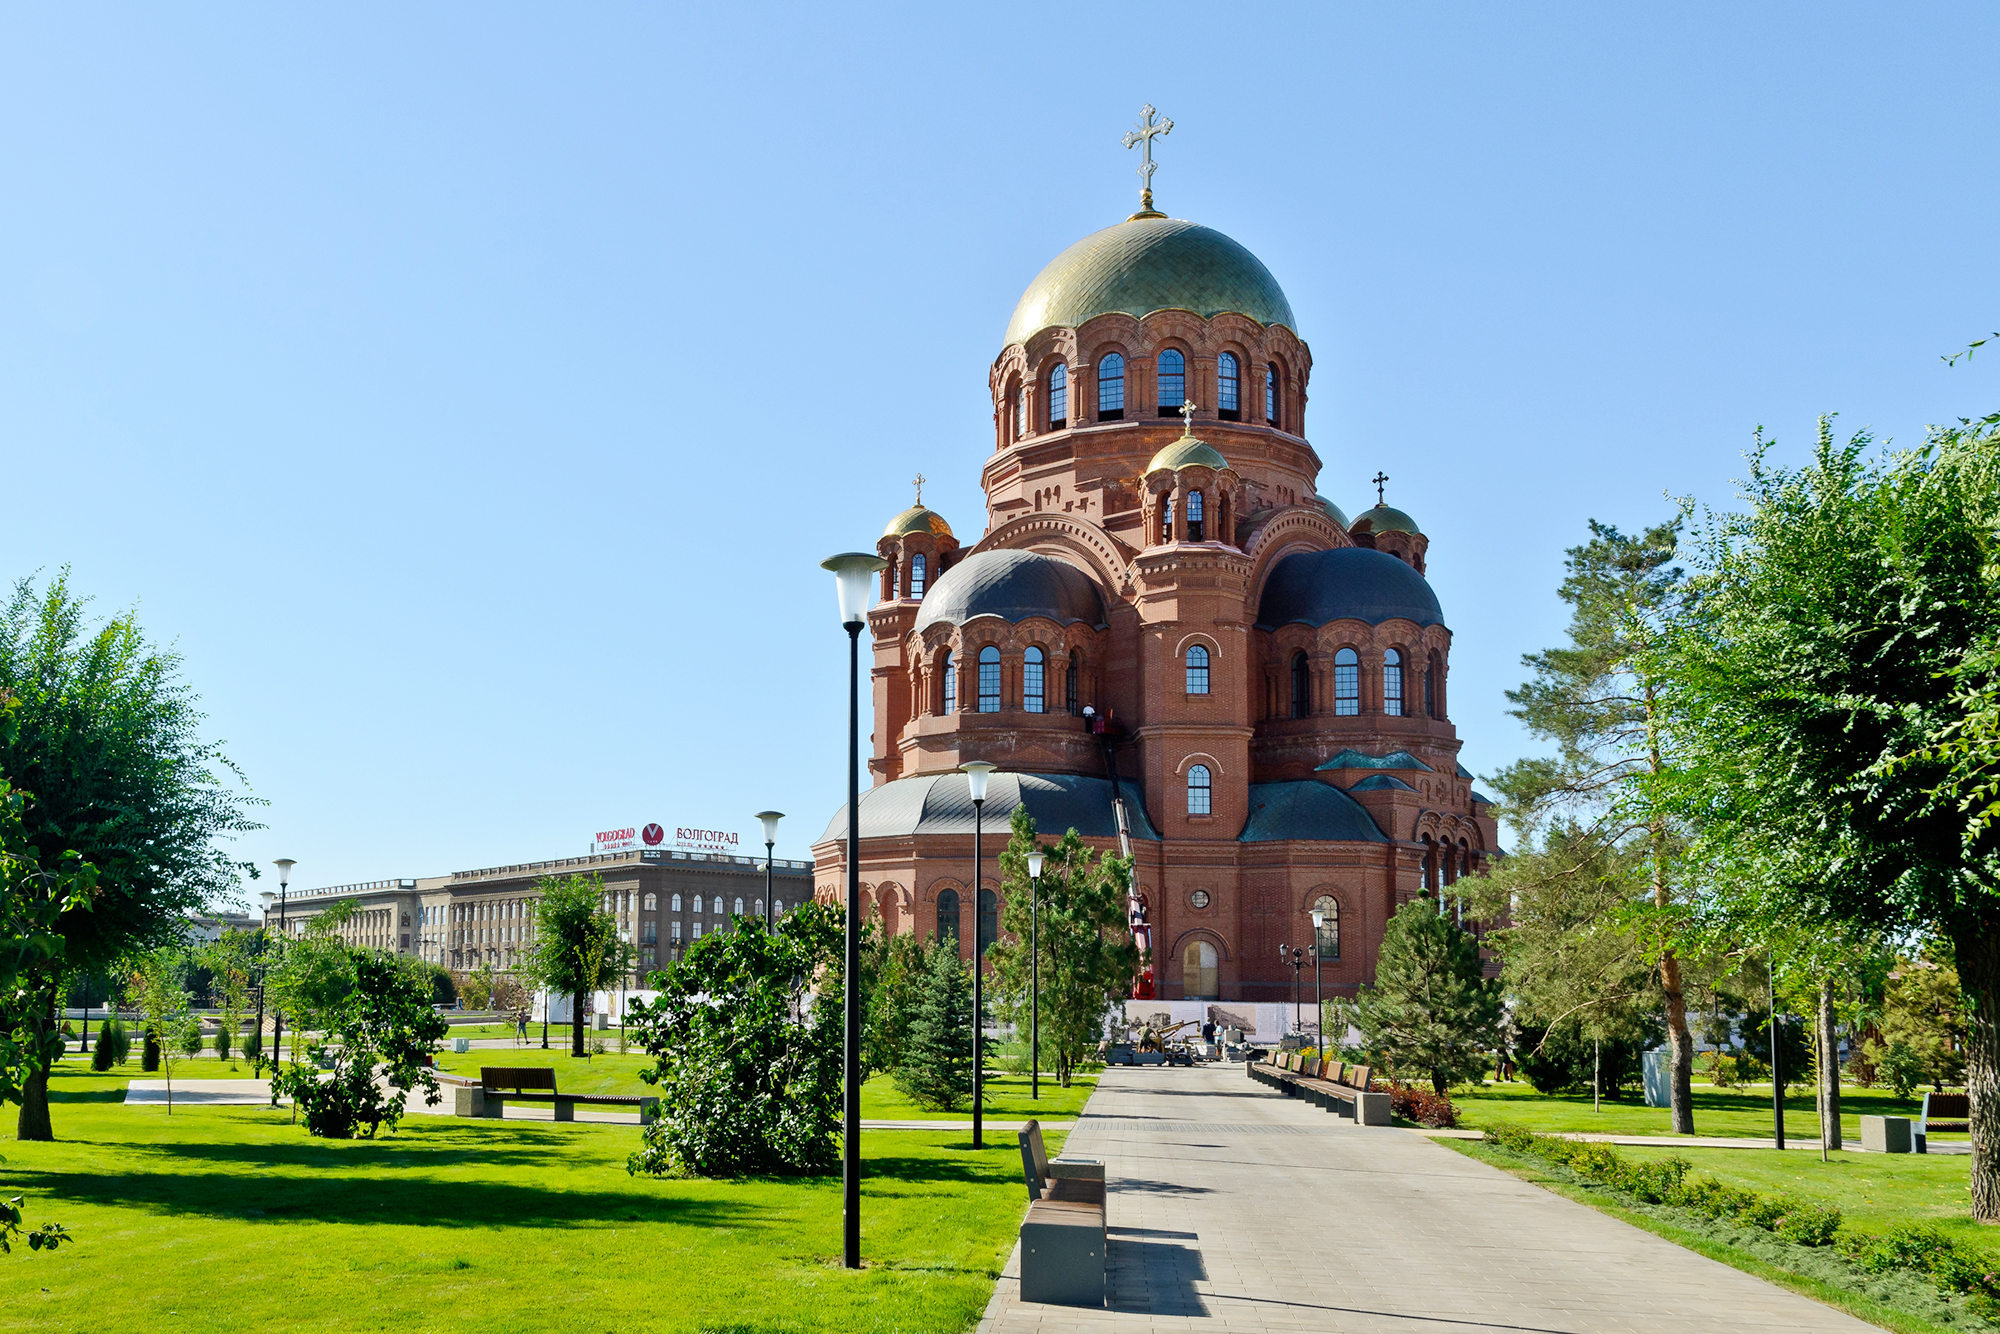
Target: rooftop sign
682, 838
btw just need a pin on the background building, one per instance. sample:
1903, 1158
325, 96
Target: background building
1163, 611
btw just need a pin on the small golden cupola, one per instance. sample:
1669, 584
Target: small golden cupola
1190, 491
917, 544
1386, 528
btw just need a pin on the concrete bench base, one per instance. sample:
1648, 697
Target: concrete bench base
1062, 1253
1885, 1134
472, 1100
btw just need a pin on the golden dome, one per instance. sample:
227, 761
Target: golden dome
1146, 264
1384, 519
917, 519
1185, 451
1333, 512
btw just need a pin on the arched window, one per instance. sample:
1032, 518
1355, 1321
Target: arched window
652, 902
757, 906
917, 575
949, 702
1197, 670
1194, 514
739, 907
1302, 686
677, 903
1173, 382
1200, 793
718, 905
777, 907
1070, 675
1111, 388
1392, 683
1198, 971
1431, 670
989, 919
1271, 395
1430, 864
1227, 389
1346, 682
1019, 403
989, 680
948, 918
1034, 674
1328, 940
1058, 396
1167, 517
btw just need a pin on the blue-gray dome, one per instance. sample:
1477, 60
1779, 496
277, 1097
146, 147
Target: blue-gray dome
1346, 583
1012, 585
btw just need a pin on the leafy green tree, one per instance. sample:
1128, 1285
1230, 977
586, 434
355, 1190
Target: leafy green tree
1431, 1010
1923, 1012
1594, 805
170, 1023
370, 1014
576, 948
898, 965
747, 1031
936, 1070
230, 965
1822, 672
33, 901
1088, 956
106, 736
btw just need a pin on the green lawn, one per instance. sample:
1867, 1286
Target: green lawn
230, 1218
606, 1074
1739, 1112
1006, 1099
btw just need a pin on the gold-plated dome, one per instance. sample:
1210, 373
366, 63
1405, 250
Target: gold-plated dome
917, 519
1384, 519
1146, 264
1333, 512
1188, 450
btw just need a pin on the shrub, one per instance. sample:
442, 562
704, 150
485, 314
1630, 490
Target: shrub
149, 1058
1810, 1224
253, 1046
222, 1043
117, 1037
101, 1054
1422, 1106
1951, 1265
191, 1040
1901, 1068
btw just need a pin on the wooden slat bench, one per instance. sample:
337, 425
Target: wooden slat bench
1062, 1237
1945, 1113
1331, 1085
501, 1084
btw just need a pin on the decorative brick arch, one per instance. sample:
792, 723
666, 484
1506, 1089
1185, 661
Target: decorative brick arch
1054, 533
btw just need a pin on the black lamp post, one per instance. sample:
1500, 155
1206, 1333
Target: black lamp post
770, 819
1319, 993
1035, 860
976, 773
1777, 1078
284, 865
852, 571
1295, 958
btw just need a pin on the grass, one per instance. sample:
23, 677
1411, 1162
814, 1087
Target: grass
1901, 1302
1740, 1112
1006, 1099
230, 1218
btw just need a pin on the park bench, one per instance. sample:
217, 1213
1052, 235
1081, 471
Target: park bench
1945, 1113
501, 1084
1330, 1085
1062, 1237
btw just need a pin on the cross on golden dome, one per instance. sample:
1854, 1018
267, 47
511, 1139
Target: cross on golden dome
1187, 417
1143, 138
1379, 478
918, 482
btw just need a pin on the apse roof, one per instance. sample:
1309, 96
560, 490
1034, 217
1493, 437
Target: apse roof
1307, 810
1345, 583
942, 804
1357, 759
1381, 783
1012, 585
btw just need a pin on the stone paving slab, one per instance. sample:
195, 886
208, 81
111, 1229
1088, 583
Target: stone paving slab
1233, 1208
207, 1092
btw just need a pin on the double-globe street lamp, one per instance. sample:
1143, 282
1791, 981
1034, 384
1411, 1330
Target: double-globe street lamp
1035, 860
976, 773
284, 865
1319, 994
1295, 958
853, 572
770, 819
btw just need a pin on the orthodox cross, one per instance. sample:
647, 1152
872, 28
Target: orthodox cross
1187, 417
1379, 478
918, 482
1143, 138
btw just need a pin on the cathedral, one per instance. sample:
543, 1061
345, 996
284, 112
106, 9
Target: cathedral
1167, 639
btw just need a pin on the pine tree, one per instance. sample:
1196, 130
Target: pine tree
1431, 1010
936, 1072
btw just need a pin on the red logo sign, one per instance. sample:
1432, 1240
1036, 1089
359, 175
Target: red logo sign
654, 835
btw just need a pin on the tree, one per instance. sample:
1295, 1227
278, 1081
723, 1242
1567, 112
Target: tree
170, 1022
1923, 1011
576, 948
1088, 956
936, 1069
369, 1011
32, 949
1827, 683
746, 1032
898, 966
230, 964
1598, 699
1431, 1010
106, 736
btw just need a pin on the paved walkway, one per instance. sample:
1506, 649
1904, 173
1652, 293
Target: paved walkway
1234, 1208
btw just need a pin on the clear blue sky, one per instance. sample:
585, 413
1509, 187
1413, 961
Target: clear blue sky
470, 392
